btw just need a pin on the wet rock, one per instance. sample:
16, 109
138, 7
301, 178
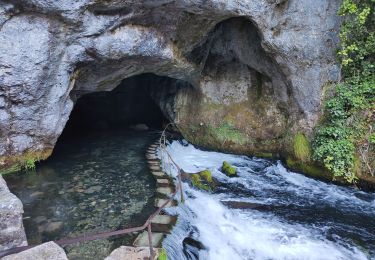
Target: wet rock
93, 189
191, 247
39, 219
247, 205
37, 194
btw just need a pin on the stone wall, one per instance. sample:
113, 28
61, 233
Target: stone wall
12, 233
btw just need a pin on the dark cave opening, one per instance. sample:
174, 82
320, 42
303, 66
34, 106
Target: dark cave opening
131, 105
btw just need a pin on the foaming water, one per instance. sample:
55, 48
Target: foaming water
282, 215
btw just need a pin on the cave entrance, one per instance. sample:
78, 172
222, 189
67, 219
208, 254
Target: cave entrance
134, 104
97, 177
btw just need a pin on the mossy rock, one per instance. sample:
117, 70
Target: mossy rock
206, 175
228, 169
309, 169
162, 254
301, 146
25, 161
202, 180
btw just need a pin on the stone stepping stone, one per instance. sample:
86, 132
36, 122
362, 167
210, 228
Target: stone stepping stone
162, 182
142, 239
153, 162
163, 223
155, 167
151, 156
159, 202
158, 174
130, 253
164, 190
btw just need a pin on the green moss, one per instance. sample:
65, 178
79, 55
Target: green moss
228, 169
162, 254
309, 169
227, 132
25, 161
10, 169
196, 180
301, 147
207, 175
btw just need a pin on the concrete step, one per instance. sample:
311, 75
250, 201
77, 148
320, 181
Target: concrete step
158, 174
163, 223
151, 156
142, 239
163, 182
159, 202
165, 190
153, 162
155, 168
132, 253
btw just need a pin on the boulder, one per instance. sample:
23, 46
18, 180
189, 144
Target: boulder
12, 233
46, 251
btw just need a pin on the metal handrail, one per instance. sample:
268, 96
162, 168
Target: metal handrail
147, 224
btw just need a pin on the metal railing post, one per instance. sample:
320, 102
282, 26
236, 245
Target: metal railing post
149, 233
180, 185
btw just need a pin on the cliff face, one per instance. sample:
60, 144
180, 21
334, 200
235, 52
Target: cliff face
247, 75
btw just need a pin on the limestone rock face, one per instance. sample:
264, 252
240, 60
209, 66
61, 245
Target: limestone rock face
255, 69
12, 233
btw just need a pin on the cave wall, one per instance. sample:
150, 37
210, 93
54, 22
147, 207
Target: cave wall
256, 77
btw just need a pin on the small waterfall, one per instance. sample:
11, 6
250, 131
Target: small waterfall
267, 212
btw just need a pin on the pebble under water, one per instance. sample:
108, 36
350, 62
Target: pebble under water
267, 212
95, 183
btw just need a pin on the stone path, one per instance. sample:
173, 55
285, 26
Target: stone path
161, 224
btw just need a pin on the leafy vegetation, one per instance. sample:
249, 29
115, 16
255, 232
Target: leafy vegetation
346, 134
228, 169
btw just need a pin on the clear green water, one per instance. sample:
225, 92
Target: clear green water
93, 183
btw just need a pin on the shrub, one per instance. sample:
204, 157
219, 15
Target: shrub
348, 113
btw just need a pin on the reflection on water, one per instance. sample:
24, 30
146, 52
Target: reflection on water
95, 183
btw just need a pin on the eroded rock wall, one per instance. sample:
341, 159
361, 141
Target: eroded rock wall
258, 68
